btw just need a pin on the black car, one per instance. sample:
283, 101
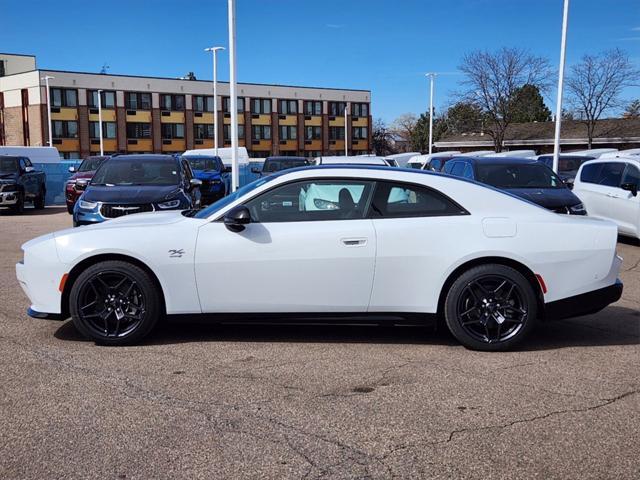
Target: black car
523, 177
568, 165
275, 164
127, 184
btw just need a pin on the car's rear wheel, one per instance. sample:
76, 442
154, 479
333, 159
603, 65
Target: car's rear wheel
39, 201
70, 209
490, 307
115, 303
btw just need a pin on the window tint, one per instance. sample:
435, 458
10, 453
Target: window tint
399, 200
312, 200
631, 175
468, 171
607, 174
436, 164
457, 169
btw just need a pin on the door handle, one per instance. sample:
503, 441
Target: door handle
354, 242
612, 195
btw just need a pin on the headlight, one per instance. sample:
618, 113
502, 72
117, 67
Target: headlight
578, 209
169, 204
87, 205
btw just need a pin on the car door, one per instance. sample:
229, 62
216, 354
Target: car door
599, 185
28, 179
416, 231
627, 205
309, 248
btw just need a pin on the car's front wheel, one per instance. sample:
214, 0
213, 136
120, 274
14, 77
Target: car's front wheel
490, 307
115, 303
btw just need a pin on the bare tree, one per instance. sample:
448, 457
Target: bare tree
596, 83
381, 138
403, 127
492, 80
632, 110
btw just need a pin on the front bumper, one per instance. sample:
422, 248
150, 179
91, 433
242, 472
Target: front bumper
585, 303
8, 198
45, 316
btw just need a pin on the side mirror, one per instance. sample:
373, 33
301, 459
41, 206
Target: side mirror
569, 183
72, 169
256, 170
630, 187
236, 218
195, 182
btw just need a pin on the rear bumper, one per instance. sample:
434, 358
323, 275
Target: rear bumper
585, 303
46, 316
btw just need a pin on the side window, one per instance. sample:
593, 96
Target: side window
591, 172
436, 164
312, 200
399, 200
23, 163
468, 171
611, 174
457, 169
188, 174
448, 167
631, 175
27, 162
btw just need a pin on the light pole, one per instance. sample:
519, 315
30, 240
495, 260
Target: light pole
563, 48
46, 79
346, 132
432, 77
100, 122
214, 50
235, 177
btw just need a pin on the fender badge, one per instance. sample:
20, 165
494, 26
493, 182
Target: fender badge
176, 253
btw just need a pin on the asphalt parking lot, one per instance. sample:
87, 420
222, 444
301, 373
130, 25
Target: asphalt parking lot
200, 401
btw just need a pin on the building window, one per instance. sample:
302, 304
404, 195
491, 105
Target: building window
64, 129
288, 107
259, 154
312, 133
64, 97
108, 99
172, 130
260, 105
138, 130
336, 133
360, 133
226, 104
288, 132
202, 103
137, 101
108, 129
202, 131
226, 132
360, 109
70, 155
336, 108
261, 132
172, 102
312, 153
312, 108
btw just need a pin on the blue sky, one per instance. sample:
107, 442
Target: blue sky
380, 45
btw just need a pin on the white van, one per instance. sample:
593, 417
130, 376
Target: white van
35, 154
608, 187
223, 153
401, 159
435, 161
594, 152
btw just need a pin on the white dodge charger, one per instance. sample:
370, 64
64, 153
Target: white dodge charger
366, 244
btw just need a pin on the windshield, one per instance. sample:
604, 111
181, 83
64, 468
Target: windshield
201, 163
224, 201
283, 164
530, 175
139, 171
565, 164
9, 165
90, 164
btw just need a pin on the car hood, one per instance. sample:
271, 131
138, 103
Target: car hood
8, 177
550, 198
129, 194
82, 175
206, 174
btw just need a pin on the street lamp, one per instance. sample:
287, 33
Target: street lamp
46, 79
214, 50
563, 48
100, 122
235, 177
432, 77
346, 132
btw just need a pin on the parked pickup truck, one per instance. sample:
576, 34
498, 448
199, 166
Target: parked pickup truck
20, 183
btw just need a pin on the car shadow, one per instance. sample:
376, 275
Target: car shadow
629, 241
28, 210
613, 326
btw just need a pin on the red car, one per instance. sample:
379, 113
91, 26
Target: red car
80, 178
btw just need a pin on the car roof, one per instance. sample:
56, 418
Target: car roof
143, 156
630, 159
285, 157
497, 160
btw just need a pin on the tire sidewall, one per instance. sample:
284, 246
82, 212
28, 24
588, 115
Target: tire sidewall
153, 308
450, 308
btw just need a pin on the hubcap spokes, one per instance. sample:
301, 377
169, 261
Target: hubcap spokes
111, 304
492, 309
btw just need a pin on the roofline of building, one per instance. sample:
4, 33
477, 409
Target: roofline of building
543, 141
185, 80
18, 55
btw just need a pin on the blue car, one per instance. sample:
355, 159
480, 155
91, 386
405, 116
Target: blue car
213, 174
128, 184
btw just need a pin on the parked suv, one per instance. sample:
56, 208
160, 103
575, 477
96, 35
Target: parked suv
523, 177
609, 189
274, 164
213, 174
20, 183
127, 184
80, 178
568, 165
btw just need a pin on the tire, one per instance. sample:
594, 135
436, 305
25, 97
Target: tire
70, 209
98, 298
38, 202
490, 308
18, 208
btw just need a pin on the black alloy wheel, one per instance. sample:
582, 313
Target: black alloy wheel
491, 307
114, 303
